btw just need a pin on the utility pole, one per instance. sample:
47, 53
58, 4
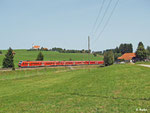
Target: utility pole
89, 43
89, 47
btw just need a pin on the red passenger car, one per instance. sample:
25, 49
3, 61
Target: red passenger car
57, 63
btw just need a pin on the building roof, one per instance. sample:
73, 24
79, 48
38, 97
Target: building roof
36, 47
127, 56
13, 52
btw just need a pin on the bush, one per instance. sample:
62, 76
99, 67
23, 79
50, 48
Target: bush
94, 54
0, 52
13, 68
8, 61
108, 58
40, 57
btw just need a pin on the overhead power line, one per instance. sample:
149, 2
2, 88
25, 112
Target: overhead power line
106, 10
105, 25
99, 13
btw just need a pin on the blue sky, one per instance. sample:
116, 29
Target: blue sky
67, 23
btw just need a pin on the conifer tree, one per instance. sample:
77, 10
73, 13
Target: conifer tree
148, 50
8, 61
0, 52
40, 57
141, 53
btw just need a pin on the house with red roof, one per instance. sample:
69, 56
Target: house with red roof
127, 57
36, 47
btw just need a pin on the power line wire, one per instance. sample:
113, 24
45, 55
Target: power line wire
107, 20
106, 10
99, 13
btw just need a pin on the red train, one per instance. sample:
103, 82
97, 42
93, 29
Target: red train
24, 64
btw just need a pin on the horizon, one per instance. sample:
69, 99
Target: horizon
77, 49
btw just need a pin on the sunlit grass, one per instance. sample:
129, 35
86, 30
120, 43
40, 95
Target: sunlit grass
118, 88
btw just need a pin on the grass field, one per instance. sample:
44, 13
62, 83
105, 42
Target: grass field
116, 89
143, 63
48, 55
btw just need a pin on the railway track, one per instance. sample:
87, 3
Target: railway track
33, 68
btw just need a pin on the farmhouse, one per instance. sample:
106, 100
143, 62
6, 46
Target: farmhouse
127, 57
46, 49
36, 47
13, 52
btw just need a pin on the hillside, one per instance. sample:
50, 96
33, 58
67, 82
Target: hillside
118, 88
48, 56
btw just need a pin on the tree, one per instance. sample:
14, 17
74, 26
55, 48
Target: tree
0, 52
130, 46
40, 57
108, 58
116, 50
126, 48
116, 55
8, 61
83, 51
42, 48
94, 54
141, 53
148, 50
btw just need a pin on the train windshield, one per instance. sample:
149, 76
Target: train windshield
20, 62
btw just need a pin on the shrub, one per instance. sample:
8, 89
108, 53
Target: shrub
108, 58
94, 54
13, 68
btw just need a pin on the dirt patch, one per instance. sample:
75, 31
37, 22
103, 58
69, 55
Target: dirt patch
144, 65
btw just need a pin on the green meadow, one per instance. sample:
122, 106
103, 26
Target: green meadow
88, 89
48, 56
147, 63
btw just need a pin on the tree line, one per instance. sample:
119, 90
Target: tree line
61, 50
123, 48
111, 55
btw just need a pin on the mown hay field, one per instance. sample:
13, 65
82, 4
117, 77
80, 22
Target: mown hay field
87, 89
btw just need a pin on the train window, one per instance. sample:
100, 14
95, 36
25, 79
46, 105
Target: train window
20, 62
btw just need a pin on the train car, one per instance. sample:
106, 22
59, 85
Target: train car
25, 64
